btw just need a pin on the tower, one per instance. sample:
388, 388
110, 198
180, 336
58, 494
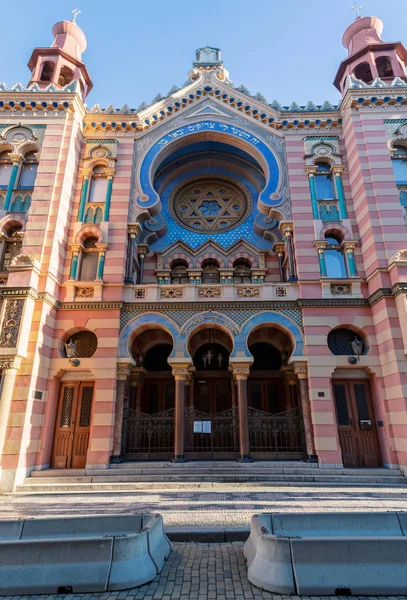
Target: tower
369, 56
62, 63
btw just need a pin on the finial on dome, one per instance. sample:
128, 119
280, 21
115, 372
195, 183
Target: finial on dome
75, 13
357, 10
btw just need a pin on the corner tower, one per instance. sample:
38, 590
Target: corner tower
61, 63
369, 57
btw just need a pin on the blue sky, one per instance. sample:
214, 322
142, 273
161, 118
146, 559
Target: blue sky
288, 50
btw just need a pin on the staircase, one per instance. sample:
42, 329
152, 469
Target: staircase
162, 476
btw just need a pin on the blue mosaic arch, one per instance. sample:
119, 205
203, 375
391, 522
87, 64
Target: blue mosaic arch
268, 318
152, 319
270, 197
207, 319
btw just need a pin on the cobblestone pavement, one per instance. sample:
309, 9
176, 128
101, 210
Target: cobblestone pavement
226, 507
196, 572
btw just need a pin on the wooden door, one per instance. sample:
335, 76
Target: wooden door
212, 395
158, 395
356, 424
72, 426
266, 394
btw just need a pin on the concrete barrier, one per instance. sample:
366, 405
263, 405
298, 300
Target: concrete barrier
328, 553
82, 554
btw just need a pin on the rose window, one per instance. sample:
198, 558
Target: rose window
210, 205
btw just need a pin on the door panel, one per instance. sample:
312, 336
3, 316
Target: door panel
72, 426
356, 424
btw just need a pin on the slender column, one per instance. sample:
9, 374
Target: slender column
350, 252
241, 372
288, 231
110, 174
313, 190
10, 368
132, 246
86, 173
320, 246
17, 160
74, 264
301, 371
123, 372
101, 262
134, 385
279, 250
337, 173
142, 251
191, 391
181, 374
290, 382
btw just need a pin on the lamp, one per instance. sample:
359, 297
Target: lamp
357, 347
70, 349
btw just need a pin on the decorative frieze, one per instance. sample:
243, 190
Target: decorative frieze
140, 293
209, 292
248, 292
341, 289
85, 292
11, 323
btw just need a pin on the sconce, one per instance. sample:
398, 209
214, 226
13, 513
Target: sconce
357, 347
70, 349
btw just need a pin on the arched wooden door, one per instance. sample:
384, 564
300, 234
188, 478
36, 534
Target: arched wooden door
72, 426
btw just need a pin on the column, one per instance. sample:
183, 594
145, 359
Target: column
134, 385
123, 372
279, 250
313, 190
74, 263
241, 372
17, 161
101, 263
142, 251
129, 269
86, 174
349, 248
320, 246
110, 174
337, 173
288, 231
181, 374
301, 370
10, 368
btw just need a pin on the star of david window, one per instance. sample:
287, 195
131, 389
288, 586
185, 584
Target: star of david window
210, 205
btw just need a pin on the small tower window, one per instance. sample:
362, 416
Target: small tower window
47, 71
5, 170
65, 76
384, 67
98, 185
323, 182
364, 72
210, 272
29, 171
89, 262
242, 271
179, 272
334, 258
12, 247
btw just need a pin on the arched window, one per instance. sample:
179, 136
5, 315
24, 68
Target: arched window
98, 185
65, 76
89, 260
334, 258
384, 67
210, 272
47, 71
242, 271
179, 272
5, 170
364, 72
11, 247
399, 162
323, 182
340, 342
28, 172
86, 344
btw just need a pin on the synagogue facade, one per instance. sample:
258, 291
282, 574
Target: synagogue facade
211, 276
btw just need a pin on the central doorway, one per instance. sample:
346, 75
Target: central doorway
211, 419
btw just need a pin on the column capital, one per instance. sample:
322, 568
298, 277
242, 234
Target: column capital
180, 370
320, 245
301, 370
110, 173
337, 170
10, 364
290, 377
134, 229
143, 249
240, 370
75, 248
310, 171
85, 172
123, 371
136, 375
279, 249
286, 227
16, 159
102, 248
349, 246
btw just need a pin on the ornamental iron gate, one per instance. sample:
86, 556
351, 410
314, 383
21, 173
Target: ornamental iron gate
276, 436
150, 436
212, 435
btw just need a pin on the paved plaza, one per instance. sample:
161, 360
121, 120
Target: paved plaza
224, 506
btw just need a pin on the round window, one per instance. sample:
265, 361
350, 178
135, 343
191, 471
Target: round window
210, 205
